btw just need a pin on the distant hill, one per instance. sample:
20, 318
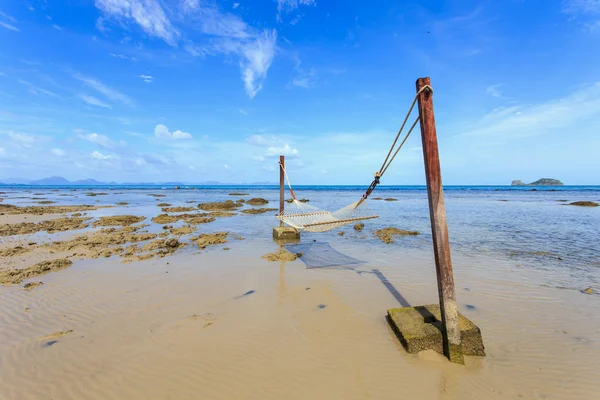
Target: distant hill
539, 182
53, 180
60, 181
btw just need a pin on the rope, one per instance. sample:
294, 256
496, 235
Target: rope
288, 180
387, 163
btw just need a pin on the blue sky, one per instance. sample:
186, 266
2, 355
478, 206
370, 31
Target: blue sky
194, 90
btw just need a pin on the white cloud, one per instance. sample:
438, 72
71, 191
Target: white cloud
229, 34
227, 167
587, 12
108, 92
284, 6
243, 111
494, 90
148, 14
102, 140
122, 56
537, 119
59, 152
235, 5
263, 140
286, 150
99, 156
146, 78
9, 27
305, 79
38, 91
57, 27
21, 138
8, 17
257, 58
190, 5
91, 100
162, 132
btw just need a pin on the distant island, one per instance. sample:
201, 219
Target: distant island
539, 182
60, 181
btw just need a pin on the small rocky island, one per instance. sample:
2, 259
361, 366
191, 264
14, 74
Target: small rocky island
539, 182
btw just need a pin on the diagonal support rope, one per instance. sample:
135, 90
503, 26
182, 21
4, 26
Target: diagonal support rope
388, 161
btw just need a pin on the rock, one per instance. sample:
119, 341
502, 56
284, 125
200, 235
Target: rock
539, 182
122, 203
216, 206
386, 235
280, 255
166, 204
390, 199
359, 227
177, 209
341, 233
32, 285
584, 204
258, 210
588, 291
257, 201
238, 194
118, 220
301, 200
211, 239
16, 276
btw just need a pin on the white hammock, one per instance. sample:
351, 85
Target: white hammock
312, 219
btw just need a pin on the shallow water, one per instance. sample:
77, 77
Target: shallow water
227, 324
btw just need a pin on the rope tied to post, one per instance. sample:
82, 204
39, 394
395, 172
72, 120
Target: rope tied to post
388, 161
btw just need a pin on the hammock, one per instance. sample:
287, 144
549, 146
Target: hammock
312, 219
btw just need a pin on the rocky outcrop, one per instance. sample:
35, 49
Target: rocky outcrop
539, 182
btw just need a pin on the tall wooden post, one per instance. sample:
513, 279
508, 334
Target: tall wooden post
281, 187
439, 227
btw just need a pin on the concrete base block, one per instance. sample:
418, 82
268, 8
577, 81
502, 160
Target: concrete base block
286, 233
420, 328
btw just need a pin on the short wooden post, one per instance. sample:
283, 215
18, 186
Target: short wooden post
281, 187
439, 228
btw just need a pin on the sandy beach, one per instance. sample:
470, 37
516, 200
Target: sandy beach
168, 296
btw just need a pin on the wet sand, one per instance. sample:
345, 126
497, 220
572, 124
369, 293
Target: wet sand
212, 324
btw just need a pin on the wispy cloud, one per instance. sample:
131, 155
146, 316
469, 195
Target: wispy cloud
304, 79
122, 56
229, 34
146, 78
538, 119
57, 27
38, 91
286, 150
102, 140
9, 26
108, 92
8, 17
59, 152
285, 6
91, 100
21, 138
222, 33
99, 156
494, 90
586, 12
162, 132
148, 14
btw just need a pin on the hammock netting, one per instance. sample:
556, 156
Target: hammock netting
312, 219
